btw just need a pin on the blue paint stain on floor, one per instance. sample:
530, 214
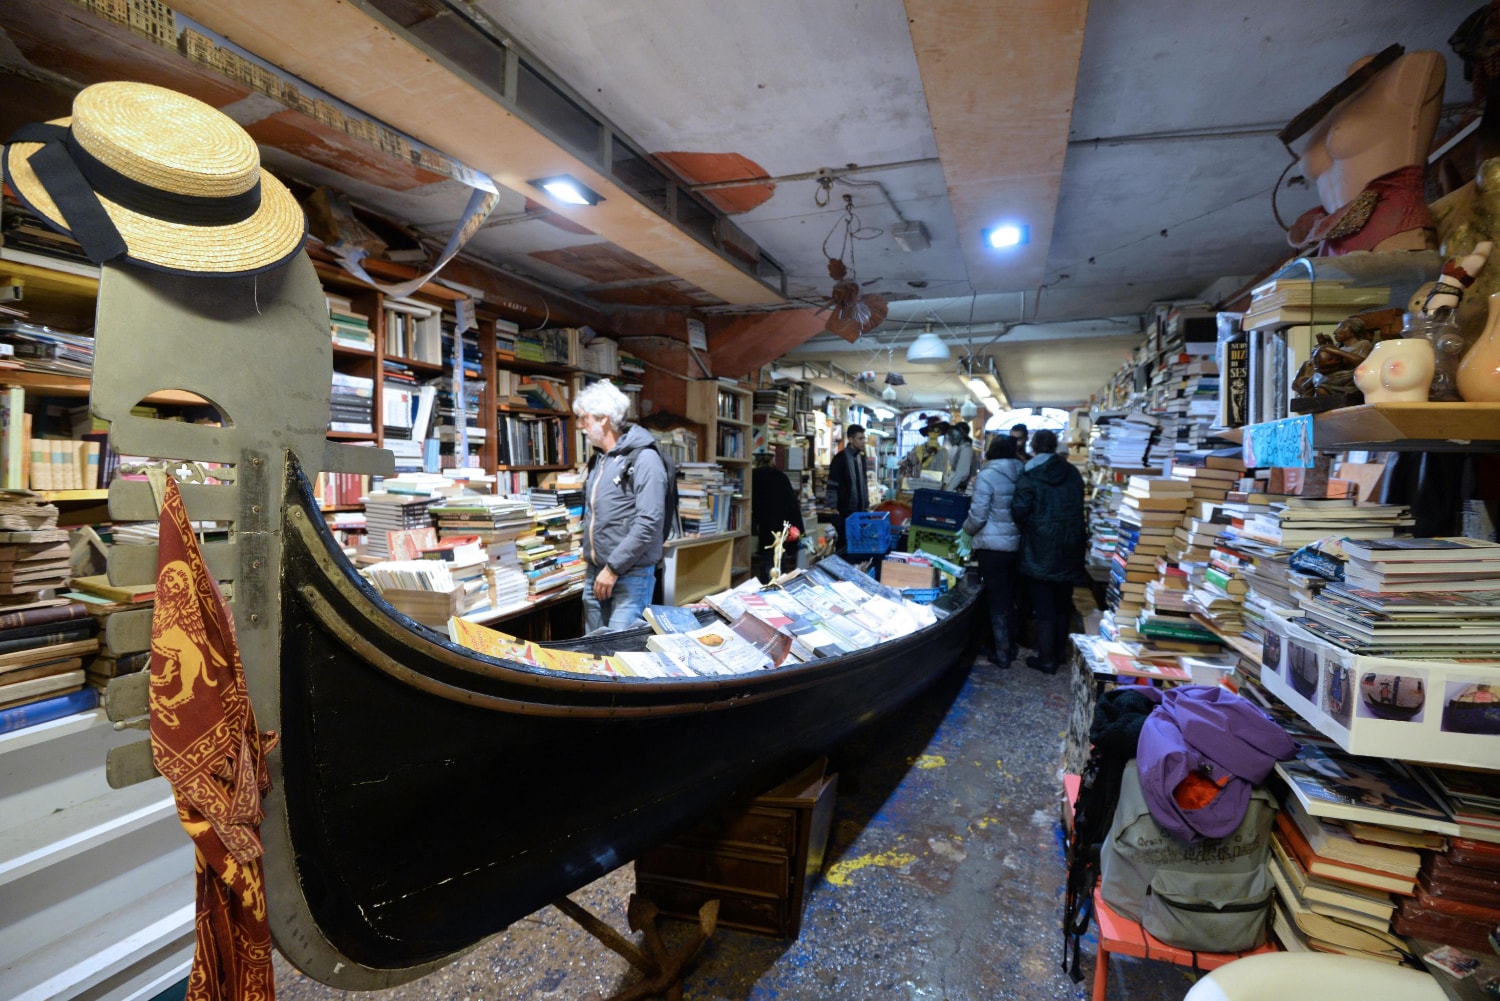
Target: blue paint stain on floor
975, 917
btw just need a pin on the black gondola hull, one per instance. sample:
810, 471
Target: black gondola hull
434, 796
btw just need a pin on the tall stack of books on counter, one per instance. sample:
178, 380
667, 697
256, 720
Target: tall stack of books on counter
388, 510
496, 521
826, 611
550, 558
1125, 441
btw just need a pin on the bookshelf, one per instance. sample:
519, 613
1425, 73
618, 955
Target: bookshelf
725, 408
533, 376
1395, 427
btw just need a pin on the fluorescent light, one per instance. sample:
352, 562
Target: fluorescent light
979, 388
568, 190
991, 404
1005, 235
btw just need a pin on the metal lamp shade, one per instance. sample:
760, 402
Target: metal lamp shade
927, 349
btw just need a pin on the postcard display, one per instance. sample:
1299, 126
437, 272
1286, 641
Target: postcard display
1434, 711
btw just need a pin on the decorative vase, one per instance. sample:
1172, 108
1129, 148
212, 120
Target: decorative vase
1447, 348
1397, 371
1479, 372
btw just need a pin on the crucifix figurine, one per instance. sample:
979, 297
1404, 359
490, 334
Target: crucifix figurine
788, 533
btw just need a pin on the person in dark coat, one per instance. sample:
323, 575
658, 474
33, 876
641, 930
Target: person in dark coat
773, 503
1048, 510
848, 483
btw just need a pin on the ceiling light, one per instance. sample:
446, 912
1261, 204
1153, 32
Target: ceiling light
927, 349
568, 189
1006, 235
979, 388
968, 410
991, 404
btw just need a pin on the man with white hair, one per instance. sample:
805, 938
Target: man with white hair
625, 511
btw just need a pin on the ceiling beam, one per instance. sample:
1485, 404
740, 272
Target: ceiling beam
999, 79
363, 60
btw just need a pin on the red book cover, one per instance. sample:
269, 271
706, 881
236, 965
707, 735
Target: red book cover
1317, 865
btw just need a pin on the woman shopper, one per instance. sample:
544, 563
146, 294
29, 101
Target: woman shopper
996, 543
1048, 509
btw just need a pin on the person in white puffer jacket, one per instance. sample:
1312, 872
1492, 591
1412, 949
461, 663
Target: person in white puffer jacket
996, 542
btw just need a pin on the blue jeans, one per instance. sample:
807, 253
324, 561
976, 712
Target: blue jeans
623, 608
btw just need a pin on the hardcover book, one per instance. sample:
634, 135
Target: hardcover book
1331, 784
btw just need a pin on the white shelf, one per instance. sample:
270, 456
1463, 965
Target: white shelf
63, 834
97, 883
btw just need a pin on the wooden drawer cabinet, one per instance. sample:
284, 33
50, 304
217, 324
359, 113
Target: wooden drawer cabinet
758, 862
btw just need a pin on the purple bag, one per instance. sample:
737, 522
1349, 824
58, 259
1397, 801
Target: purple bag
1206, 732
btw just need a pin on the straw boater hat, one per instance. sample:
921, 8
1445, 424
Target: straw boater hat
148, 175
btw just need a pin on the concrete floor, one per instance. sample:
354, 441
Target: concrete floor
943, 881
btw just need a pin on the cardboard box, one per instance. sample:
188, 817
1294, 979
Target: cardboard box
1422, 710
897, 574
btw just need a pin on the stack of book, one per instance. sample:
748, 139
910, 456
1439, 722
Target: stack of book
703, 498
42, 349
1126, 441
1150, 509
1285, 301
1472, 799
1425, 564
386, 512
1409, 624
42, 655
352, 404
1292, 522
33, 563
1349, 837
1433, 598
350, 327
1458, 896
497, 522
550, 564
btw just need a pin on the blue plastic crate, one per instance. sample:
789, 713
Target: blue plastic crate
939, 509
922, 595
868, 532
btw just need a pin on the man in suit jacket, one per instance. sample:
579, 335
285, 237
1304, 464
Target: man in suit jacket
848, 484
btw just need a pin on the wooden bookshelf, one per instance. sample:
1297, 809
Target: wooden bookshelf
725, 407
1398, 427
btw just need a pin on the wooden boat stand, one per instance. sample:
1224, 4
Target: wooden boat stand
662, 968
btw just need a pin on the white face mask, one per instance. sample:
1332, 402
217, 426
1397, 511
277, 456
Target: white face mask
593, 430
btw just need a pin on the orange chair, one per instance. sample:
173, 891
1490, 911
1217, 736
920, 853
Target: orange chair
1120, 934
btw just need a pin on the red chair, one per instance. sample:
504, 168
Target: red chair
1117, 933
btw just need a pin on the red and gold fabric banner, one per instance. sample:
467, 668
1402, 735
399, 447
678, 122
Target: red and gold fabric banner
204, 740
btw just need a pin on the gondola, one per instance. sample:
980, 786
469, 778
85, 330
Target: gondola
425, 796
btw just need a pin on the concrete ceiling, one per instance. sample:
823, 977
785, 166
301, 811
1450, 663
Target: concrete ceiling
1134, 137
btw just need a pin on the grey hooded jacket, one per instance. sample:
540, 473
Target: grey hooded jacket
989, 520
625, 501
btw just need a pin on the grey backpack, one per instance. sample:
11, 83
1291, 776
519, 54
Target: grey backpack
1212, 895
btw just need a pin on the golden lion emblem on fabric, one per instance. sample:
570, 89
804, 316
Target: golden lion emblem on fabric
179, 636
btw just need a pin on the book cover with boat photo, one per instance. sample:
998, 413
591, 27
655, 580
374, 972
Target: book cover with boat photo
1337, 786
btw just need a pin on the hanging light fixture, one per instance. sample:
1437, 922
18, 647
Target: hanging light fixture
888, 394
968, 410
928, 349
